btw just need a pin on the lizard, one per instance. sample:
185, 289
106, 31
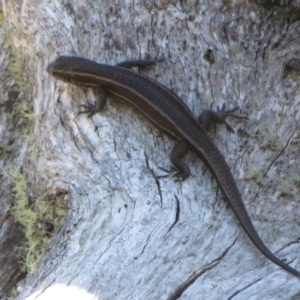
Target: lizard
167, 111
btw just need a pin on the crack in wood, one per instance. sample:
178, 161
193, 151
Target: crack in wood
186, 284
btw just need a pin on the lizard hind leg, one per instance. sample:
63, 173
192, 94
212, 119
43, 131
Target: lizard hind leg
176, 155
179, 169
208, 117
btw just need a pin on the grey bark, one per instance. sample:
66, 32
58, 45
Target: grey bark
127, 235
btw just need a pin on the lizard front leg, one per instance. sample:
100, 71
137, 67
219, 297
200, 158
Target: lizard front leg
101, 93
92, 109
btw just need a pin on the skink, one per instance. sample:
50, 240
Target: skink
169, 113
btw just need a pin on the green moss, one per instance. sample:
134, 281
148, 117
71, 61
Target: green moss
24, 110
40, 218
22, 106
1, 18
259, 178
297, 180
286, 189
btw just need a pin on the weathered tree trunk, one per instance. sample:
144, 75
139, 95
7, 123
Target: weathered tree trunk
127, 235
